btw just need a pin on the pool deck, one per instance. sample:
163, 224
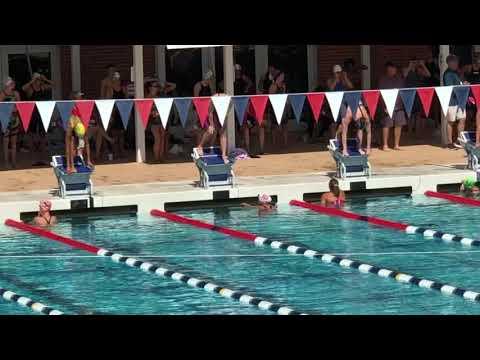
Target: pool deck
147, 196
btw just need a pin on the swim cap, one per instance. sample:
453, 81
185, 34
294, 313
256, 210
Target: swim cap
79, 129
264, 199
469, 183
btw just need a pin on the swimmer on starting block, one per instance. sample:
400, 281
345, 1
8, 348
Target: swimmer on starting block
44, 217
76, 141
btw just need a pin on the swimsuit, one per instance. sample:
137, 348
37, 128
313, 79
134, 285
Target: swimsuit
14, 124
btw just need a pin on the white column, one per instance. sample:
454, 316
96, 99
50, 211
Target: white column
366, 60
208, 63
76, 70
312, 60
160, 66
228, 80
261, 62
138, 79
442, 63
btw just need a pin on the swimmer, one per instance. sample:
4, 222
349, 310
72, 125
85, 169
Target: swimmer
470, 187
265, 203
334, 198
44, 217
76, 141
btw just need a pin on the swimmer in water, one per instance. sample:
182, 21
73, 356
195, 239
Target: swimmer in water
335, 197
470, 187
44, 217
265, 204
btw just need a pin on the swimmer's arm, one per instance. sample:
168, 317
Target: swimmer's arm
323, 200
53, 220
247, 205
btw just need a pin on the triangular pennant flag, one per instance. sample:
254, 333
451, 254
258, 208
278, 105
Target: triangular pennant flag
476, 93
444, 94
259, 104
6, 109
461, 94
45, 109
105, 108
278, 102
85, 108
316, 103
426, 97
390, 98
221, 105
144, 108
25, 110
352, 99
124, 108
183, 108
164, 107
408, 98
202, 107
335, 100
371, 98
65, 110
297, 102
240, 104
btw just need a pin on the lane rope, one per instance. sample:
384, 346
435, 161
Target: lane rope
409, 229
159, 271
328, 258
29, 303
453, 198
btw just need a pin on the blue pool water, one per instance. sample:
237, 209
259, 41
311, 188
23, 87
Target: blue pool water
77, 283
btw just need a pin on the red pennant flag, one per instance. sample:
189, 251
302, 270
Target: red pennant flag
144, 108
476, 93
316, 102
259, 104
426, 97
202, 106
83, 109
25, 110
371, 98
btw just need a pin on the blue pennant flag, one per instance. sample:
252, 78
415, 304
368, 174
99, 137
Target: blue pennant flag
183, 107
352, 99
5, 114
65, 110
240, 104
408, 98
124, 108
461, 94
297, 102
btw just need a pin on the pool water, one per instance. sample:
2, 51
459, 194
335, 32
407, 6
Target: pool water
77, 283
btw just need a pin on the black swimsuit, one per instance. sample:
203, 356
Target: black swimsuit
14, 124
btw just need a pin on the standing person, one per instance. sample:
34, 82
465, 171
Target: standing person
202, 88
11, 132
392, 80
45, 217
335, 198
76, 141
474, 79
156, 127
339, 81
243, 85
451, 77
38, 88
354, 71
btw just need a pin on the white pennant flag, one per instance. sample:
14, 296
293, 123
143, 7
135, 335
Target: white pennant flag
105, 108
221, 104
444, 94
278, 102
164, 107
390, 99
335, 101
45, 109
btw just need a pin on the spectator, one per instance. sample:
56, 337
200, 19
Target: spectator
339, 81
38, 88
391, 80
354, 71
11, 132
432, 65
473, 77
204, 87
243, 85
451, 77
156, 127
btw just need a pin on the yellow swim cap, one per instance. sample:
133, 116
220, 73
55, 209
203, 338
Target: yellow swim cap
79, 129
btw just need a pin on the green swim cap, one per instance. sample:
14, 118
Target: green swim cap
469, 183
79, 129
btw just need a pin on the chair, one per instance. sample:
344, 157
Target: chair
213, 170
467, 139
78, 183
349, 166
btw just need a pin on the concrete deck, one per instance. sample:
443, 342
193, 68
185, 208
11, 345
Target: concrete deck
147, 196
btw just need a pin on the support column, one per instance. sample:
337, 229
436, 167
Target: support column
442, 63
76, 69
366, 60
312, 60
261, 62
138, 80
228, 80
208, 63
160, 65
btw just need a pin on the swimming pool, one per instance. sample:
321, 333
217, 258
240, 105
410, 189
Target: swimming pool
76, 283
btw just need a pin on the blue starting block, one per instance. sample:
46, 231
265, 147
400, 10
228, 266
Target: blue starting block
467, 139
75, 184
349, 166
213, 170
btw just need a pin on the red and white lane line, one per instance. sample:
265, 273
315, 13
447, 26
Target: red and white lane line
156, 270
29, 303
409, 229
453, 198
326, 258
